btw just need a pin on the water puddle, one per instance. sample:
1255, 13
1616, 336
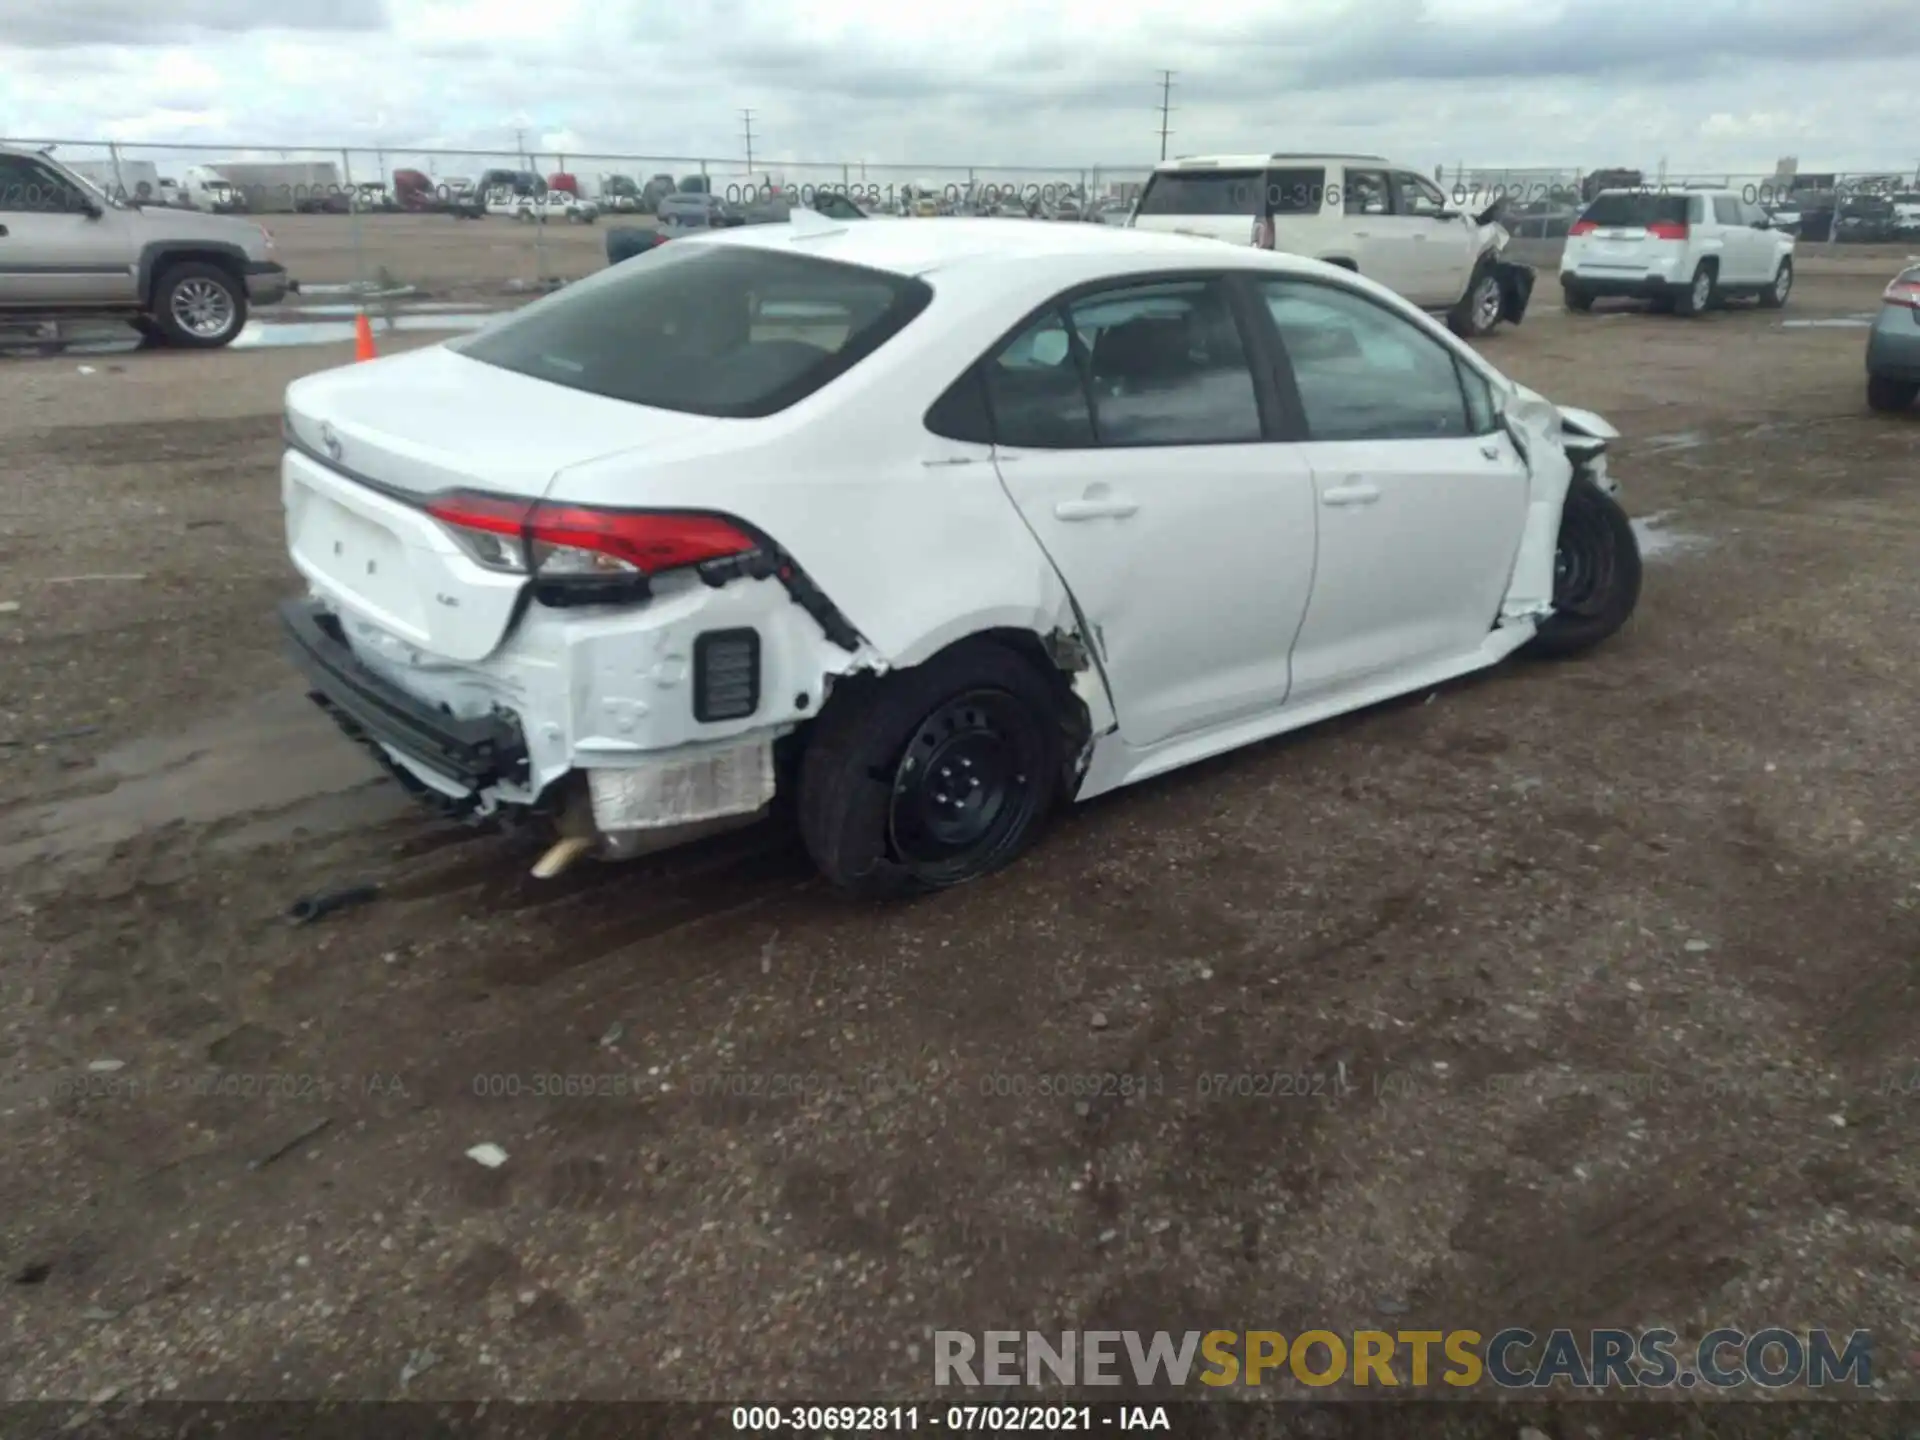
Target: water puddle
1659, 543
1679, 440
276, 765
282, 325
263, 334
438, 307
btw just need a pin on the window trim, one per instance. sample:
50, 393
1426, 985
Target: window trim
1267, 399
1289, 385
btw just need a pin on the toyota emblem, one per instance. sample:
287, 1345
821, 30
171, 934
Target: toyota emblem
330, 440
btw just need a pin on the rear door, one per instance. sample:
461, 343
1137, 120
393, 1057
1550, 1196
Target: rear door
1130, 432
1421, 498
1741, 259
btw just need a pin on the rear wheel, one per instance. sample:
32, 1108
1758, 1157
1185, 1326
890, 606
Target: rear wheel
1577, 298
1699, 294
1885, 393
199, 306
1596, 574
1775, 295
1478, 312
933, 776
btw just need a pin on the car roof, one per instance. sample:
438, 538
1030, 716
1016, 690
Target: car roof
920, 247
1255, 162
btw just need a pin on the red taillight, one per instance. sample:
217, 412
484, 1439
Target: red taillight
1902, 292
555, 541
1667, 230
648, 541
1581, 227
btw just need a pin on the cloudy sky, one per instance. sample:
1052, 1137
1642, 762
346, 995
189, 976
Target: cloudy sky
1712, 85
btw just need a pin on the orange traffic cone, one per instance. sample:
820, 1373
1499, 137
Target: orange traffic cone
363, 339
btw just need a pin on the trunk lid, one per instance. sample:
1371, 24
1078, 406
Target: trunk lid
369, 443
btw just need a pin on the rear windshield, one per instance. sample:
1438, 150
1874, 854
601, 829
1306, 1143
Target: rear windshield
1202, 192
1234, 192
718, 330
1630, 208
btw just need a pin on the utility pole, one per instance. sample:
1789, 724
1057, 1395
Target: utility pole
1166, 108
746, 121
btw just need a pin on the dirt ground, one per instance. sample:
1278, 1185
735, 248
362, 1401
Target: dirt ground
1603, 977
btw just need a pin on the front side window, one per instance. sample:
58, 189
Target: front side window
1420, 196
27, 185
1363, 372
732, 331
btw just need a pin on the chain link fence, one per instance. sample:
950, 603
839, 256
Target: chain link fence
390, 219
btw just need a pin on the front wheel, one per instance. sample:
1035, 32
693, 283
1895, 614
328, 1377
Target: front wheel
1478, 312
1596, 574
930, 777
1775, 295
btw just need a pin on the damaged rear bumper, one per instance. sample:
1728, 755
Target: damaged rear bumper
505, 757
474, 754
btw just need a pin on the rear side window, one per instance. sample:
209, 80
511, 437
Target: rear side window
1296, 191
732, 331
1037, 387
1627, 209
1203, 192
1726, 211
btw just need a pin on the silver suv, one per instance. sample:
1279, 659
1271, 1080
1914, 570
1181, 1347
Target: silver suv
70, 251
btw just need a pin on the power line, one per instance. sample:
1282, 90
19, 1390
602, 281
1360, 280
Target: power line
1166, 108
746, 120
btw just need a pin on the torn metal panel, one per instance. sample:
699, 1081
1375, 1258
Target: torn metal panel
1535, 424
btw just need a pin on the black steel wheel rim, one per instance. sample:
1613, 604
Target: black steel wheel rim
965, 784
1583, 563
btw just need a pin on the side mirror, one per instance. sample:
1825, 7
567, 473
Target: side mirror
1446, 214
1763, 223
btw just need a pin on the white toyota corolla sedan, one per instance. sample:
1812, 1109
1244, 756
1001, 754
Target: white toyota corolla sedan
925, 527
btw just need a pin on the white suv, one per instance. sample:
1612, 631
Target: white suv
1360, 212
1684, 250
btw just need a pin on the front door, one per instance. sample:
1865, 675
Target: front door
60, 247
1421, 497
1128, 432
1445, 242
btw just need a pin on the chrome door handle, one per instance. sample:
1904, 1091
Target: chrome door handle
1492, 452
1352, 493
1094, 509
